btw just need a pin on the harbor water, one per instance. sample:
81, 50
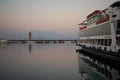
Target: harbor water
51, 61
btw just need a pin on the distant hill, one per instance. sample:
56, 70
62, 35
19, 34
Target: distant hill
38, 35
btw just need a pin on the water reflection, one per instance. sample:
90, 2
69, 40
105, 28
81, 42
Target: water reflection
95, 68
30, 48
47, 62
53, 62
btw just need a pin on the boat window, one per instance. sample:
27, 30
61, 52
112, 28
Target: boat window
109, 42
118, 41
100, 16
118, 31
96, 31
106, 42
101, 41
118, 25
98, 41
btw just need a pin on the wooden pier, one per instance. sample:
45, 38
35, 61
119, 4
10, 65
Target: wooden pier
41, 41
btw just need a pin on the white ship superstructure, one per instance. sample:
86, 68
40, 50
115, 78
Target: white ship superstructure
101, 30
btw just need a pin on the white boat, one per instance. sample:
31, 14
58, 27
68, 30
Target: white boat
101, 30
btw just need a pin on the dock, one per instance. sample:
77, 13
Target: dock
113, 58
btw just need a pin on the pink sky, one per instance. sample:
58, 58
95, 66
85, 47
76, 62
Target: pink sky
60, 16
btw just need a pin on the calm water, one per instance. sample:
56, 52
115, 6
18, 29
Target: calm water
51, 62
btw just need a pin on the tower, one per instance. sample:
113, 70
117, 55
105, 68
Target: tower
30, 36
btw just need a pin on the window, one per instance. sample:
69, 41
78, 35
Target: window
118, 31
118, 25
102, 41
96, 31
118, 41
109, 42
98, 41
106, 42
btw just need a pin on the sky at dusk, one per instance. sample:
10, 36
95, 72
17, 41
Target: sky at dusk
61, 16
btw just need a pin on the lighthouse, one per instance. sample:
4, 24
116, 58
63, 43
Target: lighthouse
30, 36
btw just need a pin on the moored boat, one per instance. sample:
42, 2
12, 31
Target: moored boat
101, 30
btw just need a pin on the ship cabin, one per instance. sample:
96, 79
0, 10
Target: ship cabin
102, 28
95, 18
